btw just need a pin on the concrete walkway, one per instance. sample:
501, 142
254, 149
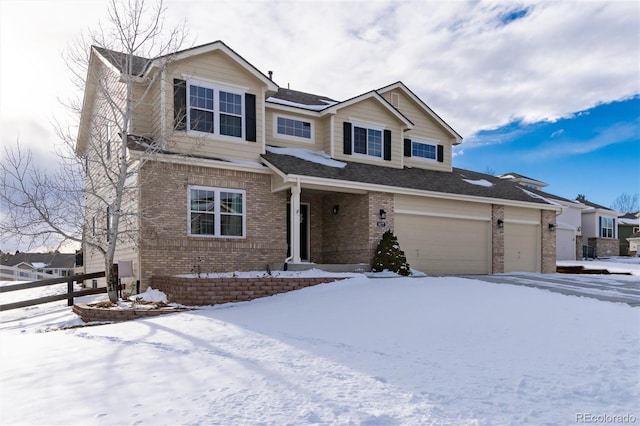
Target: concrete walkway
609, 288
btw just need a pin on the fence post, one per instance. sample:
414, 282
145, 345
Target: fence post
70, 292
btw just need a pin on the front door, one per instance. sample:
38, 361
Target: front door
304, 231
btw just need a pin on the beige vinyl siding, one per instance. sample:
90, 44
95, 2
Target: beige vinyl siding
216, 68
142, 119
273, 139
369, 112
425, 129
522, 250
444, 236
326, 134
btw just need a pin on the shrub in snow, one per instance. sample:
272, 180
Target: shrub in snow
389, 256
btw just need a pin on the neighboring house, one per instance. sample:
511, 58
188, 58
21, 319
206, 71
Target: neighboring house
26, 266
249, 174
628, 225
600, 229
569, 242
634, 244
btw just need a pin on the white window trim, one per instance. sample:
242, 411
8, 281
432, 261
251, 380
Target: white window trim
216, 110
216, 214
290, 137
368, 126
612, 228
423, 141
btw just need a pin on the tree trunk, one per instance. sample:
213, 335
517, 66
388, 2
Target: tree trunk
112, 282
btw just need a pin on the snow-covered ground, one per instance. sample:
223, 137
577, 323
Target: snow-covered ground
364, 351
613, 264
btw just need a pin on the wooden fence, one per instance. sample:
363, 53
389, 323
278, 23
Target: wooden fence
69, 295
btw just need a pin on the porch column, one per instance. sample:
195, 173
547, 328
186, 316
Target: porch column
295, 224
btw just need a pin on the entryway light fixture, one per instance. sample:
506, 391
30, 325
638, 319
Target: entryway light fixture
383, 214
552, 227
500, 223
335, 209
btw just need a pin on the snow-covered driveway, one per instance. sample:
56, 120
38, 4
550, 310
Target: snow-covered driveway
609, 288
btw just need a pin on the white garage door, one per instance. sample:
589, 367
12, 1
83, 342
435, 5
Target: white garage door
441, 245
521, 247
565, 244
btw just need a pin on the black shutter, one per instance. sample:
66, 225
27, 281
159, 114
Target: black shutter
440, 153
250, 117
387, 145
407, 147
346, 138
179, 104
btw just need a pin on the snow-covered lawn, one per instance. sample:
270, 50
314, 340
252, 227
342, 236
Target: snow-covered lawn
365, 351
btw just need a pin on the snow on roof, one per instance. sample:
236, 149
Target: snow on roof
299, 105
319, 157
534, 195
625, 221
39, 265
479, 182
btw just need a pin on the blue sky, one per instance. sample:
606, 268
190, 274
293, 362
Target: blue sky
545, 89
595, 152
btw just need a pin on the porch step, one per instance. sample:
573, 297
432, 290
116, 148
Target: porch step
328, 267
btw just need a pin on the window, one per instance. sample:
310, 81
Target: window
295, 128
216, 212
215, 111
606, 227
367, 141
423, 150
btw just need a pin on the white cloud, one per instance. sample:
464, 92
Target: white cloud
459, 57
557, 133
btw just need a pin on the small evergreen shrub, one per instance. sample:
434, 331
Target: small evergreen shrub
389, 256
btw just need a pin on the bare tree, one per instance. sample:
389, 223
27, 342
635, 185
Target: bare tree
626, 203
89, 199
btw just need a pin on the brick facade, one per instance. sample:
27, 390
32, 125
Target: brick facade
167, 249
497, 239
548, 240
213, 291
605, 247
351, 235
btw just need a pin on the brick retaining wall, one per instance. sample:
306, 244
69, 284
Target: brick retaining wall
213, 291
95, 314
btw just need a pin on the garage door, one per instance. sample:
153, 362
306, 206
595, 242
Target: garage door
565, 244
441, 245
521, 247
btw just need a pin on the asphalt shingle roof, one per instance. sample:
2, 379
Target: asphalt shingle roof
121, 60
302, 97
412, 178
52, 260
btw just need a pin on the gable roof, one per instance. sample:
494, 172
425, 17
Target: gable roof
458, 182
120, 61
520, 178
299, 99
400, 85
598, 206
141, 65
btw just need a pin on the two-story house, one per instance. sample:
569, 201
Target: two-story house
247, 174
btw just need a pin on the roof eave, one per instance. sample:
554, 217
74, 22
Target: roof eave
337, 184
